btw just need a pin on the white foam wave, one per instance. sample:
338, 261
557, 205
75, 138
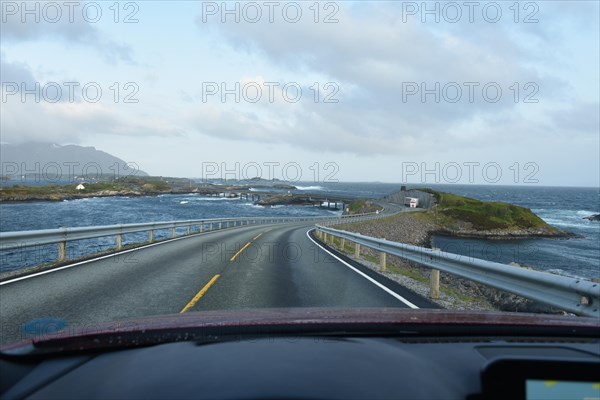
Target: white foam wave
310, 188
585, 224
562, 272
217, 199
586, 213
254, 205
566, 218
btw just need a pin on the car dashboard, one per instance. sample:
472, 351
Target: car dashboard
312, 353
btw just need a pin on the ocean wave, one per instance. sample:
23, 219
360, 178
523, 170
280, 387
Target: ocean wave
310, 188
586, 213
562, 272
183, 202
81, 200
208, 198
253, 205
570, 218
583, 224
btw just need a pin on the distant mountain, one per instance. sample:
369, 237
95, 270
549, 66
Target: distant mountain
53, 162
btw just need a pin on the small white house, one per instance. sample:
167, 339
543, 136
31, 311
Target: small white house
411, 202
80, 187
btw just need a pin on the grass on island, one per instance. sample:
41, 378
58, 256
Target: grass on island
56, 192
62, 189
482, 215
363, 206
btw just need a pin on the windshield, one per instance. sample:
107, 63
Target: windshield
185, 157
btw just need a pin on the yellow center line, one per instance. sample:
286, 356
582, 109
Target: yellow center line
246, 245
214, 278
238, 253
199, 294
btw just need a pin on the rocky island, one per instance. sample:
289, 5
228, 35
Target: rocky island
595, 217
465, 217
128, 186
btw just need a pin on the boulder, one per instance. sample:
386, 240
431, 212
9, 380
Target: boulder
594, 217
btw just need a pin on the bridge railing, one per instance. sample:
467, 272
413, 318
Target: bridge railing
61, 236
578, 296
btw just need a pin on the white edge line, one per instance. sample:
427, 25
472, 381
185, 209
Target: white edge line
116, 254
367, 277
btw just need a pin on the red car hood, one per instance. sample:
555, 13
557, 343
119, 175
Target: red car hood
306, 321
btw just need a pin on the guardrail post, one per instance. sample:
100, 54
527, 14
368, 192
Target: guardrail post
434, 292
219, 225
62, 251
202, 227
119, 242
210, 226
173, 232
151, 235
189, 229
382, 261
356, 250
342, 243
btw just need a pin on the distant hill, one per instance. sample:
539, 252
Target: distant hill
53, 162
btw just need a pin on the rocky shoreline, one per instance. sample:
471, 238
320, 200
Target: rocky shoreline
23, 194
64, 197
595, 217
456, 293
506, 234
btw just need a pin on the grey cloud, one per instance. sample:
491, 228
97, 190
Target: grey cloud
15, 72
17, 76
378, 56
581, 118
77, 31
71, 122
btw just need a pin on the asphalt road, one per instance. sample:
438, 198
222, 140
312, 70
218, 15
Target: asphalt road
248, 267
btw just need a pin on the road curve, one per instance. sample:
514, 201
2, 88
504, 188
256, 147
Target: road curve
246, 267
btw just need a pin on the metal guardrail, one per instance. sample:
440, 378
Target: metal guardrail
24, 239
578, 296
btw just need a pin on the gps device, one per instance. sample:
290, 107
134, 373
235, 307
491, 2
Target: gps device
541, 379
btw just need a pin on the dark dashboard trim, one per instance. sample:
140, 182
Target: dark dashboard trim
239, 324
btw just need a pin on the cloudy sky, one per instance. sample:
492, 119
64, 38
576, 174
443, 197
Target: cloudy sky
490, 92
